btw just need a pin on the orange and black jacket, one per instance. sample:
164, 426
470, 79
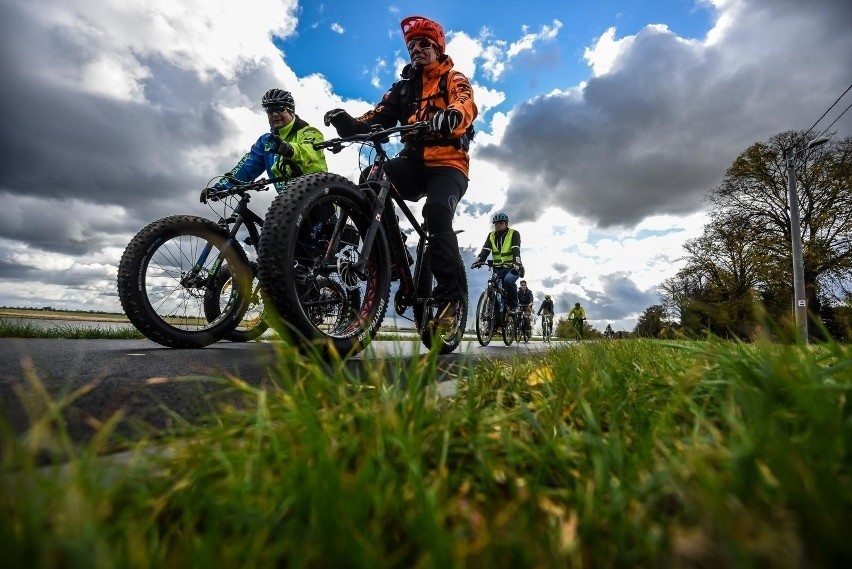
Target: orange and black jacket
417, 97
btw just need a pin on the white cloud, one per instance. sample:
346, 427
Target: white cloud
605, 51
528, 41
337, 28
496, 54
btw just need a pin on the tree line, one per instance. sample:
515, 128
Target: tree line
737, 280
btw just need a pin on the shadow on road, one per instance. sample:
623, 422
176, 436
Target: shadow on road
157, 389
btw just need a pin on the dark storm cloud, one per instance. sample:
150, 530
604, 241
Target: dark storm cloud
17, 271
61, 144
620, 297
658, 131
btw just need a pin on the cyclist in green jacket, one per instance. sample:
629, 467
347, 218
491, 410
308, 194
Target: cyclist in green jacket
577, 316
286, 150
504, 246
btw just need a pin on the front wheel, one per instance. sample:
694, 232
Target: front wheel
523, 333
485, 311
165, 274
509, 327
310, 258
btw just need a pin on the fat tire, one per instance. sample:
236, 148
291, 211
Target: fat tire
133, 278
279, 250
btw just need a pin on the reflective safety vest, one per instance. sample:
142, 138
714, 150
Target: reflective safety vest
503, 256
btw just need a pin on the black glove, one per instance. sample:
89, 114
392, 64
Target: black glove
477, 264
208, 195
336, 117
445, 121
282, 147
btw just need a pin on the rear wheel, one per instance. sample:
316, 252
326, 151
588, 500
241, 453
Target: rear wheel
485, 314
331, 303
252, 325
163, 280
426, 311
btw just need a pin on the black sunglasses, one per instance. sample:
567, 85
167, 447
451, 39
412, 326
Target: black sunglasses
422, 43
279, 110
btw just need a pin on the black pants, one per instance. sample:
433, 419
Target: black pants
442, 187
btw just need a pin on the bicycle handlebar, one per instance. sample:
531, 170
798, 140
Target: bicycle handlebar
375, 137
240, 188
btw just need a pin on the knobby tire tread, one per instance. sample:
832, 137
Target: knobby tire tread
135, 302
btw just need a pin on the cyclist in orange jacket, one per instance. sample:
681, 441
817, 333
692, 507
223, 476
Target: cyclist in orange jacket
433, 164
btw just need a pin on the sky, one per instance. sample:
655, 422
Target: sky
602, 125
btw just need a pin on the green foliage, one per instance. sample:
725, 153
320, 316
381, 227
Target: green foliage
632, 453
738, 274
24, 329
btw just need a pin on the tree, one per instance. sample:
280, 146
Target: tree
728, 268
652, 322
754, 192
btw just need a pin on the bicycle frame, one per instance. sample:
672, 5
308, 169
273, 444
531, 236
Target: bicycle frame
239, 217
384, 194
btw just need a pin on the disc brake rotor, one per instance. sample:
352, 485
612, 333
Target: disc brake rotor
347, 258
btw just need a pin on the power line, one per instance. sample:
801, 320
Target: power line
829, 109
835, 120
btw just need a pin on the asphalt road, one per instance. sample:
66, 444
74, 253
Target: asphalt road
157, 387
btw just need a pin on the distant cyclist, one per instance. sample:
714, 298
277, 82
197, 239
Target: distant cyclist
504, 246
285, 151
525, 302
546, 308
577, 316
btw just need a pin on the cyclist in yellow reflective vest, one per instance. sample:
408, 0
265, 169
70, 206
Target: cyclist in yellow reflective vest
504, 246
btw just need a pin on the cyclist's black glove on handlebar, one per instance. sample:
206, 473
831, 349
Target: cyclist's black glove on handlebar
477, 264
342, 121
204, 195
445, 122
282, 147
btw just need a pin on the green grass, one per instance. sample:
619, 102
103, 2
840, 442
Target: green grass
631, 453
25, 329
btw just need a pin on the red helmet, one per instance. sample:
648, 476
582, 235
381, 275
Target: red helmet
420, 27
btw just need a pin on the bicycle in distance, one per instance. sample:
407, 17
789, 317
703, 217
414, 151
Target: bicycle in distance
579, 331
361, 249
186, 281
525, 323
546, 327
491, 312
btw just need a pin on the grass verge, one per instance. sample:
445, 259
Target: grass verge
632, 453
23, 329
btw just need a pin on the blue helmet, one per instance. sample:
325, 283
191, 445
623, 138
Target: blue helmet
500, 217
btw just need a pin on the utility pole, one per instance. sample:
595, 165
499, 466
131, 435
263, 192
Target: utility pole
800, 303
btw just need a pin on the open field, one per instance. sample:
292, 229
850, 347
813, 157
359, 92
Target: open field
62, 315
633, 453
